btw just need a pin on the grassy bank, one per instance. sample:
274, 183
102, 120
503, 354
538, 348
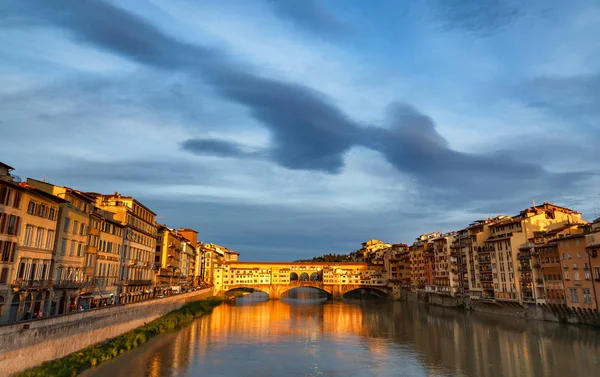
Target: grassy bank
73, 364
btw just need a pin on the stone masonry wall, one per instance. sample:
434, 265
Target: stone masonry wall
52, 338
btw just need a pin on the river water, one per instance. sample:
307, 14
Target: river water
368, 338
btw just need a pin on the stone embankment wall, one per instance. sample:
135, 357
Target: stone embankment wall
553, 313
27, 344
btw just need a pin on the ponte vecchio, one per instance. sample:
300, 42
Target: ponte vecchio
276, 278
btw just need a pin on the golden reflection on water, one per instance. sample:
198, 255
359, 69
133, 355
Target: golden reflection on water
390, 338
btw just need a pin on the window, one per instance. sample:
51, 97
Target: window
72, 250
28, 239
7, 249
13, 225
569, 255
587, 296
82, 229
17, 200
578, 253
597, 273
75, 226
4, 195
576, 274
67, 224
63, 246
566, 275
4, 275
52, 214
573, 295
31, 207
50, 240
588, 275
39, 238
42, 210
79, 250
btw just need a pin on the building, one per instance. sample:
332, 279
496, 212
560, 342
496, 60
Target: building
445, 266
103, 259
194, 255
576, 270
71, 245
512, 276
168, 258
139, 244
215, 254
479, 268
28, 226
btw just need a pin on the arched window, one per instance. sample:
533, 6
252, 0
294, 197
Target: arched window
315, 276
293, 276
304, 277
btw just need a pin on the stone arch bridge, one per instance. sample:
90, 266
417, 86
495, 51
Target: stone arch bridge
276, 278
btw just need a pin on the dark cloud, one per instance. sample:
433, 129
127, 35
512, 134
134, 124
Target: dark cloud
215, 147
309, 15
412, 145
307, 130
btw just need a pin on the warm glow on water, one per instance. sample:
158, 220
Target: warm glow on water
287, 338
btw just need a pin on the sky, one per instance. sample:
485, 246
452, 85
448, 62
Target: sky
292, 128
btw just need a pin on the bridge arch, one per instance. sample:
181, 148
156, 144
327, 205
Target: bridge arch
293, 276
316, 276
358, 291
231, 292
304, 277
287, 290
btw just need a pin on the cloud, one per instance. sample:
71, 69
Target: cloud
412, 145
576, 99
309, 15
482, 17
220, 148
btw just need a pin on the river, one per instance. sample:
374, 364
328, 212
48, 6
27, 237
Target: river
370, 338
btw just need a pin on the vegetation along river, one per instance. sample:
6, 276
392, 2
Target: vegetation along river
310, 336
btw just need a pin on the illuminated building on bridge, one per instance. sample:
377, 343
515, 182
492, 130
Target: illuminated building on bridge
275, 278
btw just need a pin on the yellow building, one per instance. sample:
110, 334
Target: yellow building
139, 244
103, 259
213, 254
72, 241
512, 279
168, 258
28, 224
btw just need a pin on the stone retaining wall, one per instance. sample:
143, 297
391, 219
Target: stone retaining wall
27, 344
545, 312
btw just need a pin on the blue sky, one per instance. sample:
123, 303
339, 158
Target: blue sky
288, 129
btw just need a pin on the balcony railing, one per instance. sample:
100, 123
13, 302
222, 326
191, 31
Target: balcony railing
68, 284
31, 284
135, 282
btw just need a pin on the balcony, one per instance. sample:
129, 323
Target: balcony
135, 282
524, 268
524, 256
31, 284
68, 284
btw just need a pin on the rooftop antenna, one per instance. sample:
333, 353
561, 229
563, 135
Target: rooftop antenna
533, 201
44, 178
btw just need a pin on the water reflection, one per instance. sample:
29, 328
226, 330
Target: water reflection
275, 338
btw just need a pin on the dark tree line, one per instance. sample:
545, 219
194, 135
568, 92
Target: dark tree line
331, 258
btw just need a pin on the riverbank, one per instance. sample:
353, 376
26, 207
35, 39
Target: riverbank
27, 344
540, 312
75, 363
